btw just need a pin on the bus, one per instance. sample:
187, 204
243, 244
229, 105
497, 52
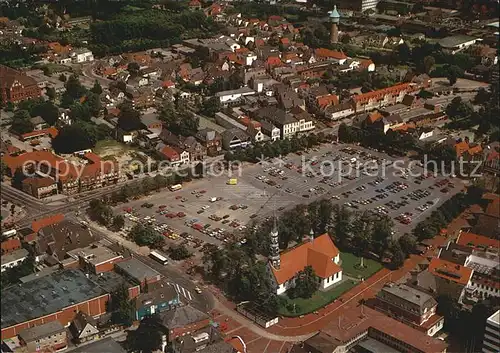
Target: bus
155, 255
175, 187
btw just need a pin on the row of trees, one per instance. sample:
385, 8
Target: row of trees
444, 214
278, 148
392, 142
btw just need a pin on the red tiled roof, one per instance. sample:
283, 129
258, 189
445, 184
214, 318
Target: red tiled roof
354, 322
476, 240
11, 244
493, 208
51, 131
39, 182
318, 254
285, 41
273, 61
378, 94
450, 271
170, 153
327, 100
327, 53
375, 116
47, 221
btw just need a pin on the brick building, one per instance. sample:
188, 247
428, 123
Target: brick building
16, 86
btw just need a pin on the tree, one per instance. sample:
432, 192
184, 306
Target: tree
211, 106
62, 78
306, 283
71, 139
94, 103
97, 89
133, 68
146, 236
74, 88
122, 309
118, 222
398, 256
47, 111
179, 252
101, 212
148, 336
403, 51
407, 243
129, 118
458, 109
482, 96
452, 73
21, 126
51, 93
429, 63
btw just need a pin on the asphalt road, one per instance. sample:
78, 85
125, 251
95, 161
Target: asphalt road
184, 285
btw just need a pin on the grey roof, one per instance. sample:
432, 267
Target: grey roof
230, 134
34, 333
374, 346
150, 119
164, 292
410, 295
58, 239
453, 41
394, 118
107, 345
275, 115
182, 316
81, 320
14, 256
137, 269
37, 120
242, 90
46, 295
207, 135
267, 126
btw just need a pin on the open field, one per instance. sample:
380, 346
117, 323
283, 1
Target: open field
350, 266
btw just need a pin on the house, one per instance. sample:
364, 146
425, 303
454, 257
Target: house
183, 320
47, 337
16, 86
322, 54
457, 43
38, 123
451, 279
211, 140
319, 253
410, 306
151, 122
235, 95
271, 131
83, 328
95, 258
40, 187
284, 121
10, 245
139, 273
287, 98
174, 156
56, 240
82, 55
163, 298
206, 340
235, 138
13, 259
339, 111
382, 97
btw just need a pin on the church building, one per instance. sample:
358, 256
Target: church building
320, 253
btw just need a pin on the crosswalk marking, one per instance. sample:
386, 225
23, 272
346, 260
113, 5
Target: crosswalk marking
189, 295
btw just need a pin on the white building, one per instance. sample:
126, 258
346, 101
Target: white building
13, 259
82, 55
320, 253
457, 43
491, 341
234, 95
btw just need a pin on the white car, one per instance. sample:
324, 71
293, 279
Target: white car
198, 290
206, 207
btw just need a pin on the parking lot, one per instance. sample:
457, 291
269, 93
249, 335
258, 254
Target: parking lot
211, 211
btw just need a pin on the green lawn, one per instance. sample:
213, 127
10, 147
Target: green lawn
351, 262
317, 301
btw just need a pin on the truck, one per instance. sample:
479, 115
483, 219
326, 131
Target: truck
232, 181
175, 187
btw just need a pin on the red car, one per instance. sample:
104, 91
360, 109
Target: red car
161, 207
181, 214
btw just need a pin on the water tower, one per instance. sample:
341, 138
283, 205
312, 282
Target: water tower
334, 19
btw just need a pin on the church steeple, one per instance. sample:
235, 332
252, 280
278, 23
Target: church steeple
274, 251
311, 235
